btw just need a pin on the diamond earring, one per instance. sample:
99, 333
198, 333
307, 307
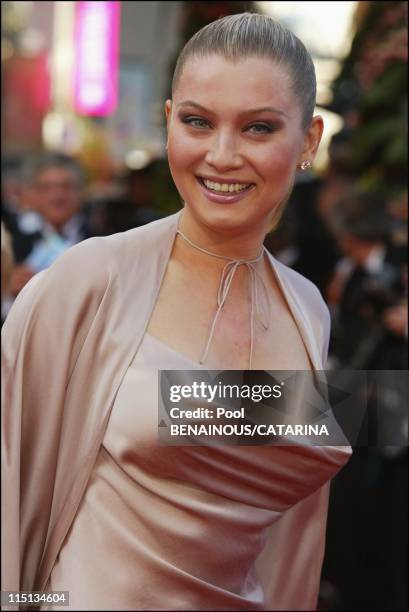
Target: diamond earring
305, 164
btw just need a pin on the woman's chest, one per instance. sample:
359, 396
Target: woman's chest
141, 454
186, 316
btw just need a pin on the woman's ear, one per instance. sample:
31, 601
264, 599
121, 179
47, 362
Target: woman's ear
312, 139
168, 108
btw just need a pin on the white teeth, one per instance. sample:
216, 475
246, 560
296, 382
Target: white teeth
226, 187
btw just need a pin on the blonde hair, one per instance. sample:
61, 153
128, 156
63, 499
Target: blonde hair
253, 35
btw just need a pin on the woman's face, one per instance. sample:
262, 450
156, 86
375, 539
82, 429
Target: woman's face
238, 125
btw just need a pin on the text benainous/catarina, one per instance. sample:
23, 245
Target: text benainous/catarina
248, 429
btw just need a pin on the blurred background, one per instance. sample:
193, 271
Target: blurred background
83, 154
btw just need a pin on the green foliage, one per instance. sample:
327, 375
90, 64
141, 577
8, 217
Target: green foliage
373, 82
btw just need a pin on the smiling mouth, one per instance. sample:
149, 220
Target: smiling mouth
224, 188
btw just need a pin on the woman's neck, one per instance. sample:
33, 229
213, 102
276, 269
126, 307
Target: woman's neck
237, 245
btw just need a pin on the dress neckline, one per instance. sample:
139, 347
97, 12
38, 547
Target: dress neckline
169, 349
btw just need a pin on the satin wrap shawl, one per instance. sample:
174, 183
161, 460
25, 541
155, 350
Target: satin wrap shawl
67, 343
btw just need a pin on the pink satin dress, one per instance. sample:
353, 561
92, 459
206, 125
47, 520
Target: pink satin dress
175, 527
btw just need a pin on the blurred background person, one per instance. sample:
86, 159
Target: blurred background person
11, 185
367, 521
368, 291
50, 220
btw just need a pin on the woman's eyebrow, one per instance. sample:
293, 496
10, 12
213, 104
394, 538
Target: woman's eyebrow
252, 111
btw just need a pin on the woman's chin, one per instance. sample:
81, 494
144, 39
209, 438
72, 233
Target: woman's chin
222, 220
247, 216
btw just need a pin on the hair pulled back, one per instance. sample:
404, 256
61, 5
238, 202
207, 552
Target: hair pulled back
253, 35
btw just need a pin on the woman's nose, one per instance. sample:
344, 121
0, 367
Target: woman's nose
223, 153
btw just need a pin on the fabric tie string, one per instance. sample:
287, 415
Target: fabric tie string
259, 302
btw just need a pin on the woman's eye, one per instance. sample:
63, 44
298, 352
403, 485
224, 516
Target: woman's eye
195, 121
261, 128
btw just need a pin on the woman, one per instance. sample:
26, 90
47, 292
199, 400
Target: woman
107, 513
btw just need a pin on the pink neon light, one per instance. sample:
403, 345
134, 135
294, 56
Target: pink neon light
96, 57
